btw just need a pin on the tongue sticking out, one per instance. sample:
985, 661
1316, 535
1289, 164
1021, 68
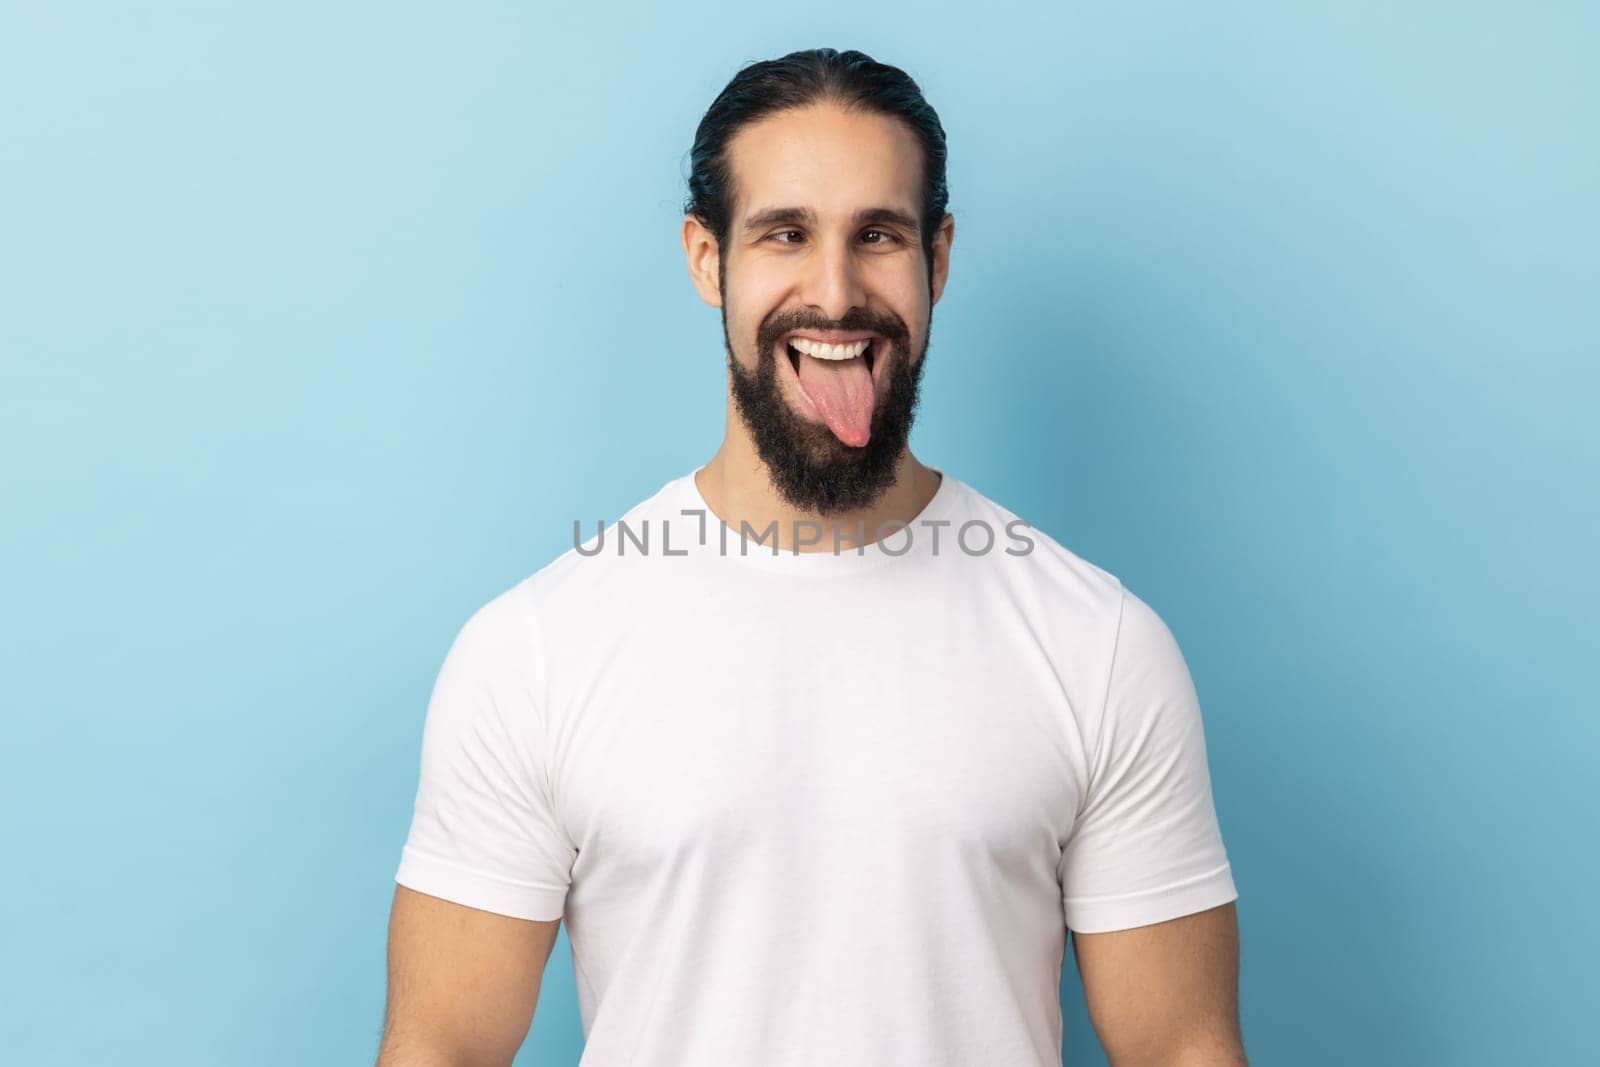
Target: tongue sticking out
841, 389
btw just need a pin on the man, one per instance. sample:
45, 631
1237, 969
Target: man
823, 757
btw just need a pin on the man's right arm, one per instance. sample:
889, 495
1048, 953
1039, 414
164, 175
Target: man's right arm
463, 983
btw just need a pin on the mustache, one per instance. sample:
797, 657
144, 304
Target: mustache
888, 326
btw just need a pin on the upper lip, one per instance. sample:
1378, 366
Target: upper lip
831, 337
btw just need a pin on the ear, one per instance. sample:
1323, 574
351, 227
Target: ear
700, 249
943, 237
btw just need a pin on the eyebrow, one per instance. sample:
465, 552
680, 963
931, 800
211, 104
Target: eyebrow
804, 216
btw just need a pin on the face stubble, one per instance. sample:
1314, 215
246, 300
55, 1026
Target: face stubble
811, 469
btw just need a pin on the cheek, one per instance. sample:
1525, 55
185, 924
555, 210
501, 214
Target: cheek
764, 295
906, 293
752, 297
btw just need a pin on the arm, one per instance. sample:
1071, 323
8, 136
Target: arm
1147, 888
1166, 994
484, 872
463, 983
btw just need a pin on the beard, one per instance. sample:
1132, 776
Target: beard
812, 470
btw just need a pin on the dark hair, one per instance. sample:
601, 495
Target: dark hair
817, 75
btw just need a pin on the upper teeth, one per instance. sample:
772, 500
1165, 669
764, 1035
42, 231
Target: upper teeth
822, 351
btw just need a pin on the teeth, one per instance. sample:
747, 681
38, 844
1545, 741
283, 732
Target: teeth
822, 351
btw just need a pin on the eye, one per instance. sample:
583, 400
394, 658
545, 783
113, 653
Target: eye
783, 233
888, 238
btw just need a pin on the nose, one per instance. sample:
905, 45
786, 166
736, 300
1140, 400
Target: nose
833, 282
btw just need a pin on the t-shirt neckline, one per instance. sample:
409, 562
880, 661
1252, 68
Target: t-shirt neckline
898, 545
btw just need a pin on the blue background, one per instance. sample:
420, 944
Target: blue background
322, 322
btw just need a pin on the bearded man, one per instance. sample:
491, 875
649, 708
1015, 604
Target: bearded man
826, 768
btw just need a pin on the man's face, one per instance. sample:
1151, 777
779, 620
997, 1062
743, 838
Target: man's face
824, 249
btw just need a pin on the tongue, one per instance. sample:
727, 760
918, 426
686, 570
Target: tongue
841, 389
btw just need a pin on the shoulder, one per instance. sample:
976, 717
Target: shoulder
1041, 571
1087, 605
570, 589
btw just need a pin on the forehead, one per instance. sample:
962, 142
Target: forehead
833, 161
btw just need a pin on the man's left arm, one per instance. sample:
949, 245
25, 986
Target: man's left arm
1166, 994
1147, 889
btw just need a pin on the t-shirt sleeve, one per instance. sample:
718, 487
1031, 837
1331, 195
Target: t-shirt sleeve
484, 830
1146, 846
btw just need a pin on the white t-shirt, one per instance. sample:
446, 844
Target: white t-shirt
818, 808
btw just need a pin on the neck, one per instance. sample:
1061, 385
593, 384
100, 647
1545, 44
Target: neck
738, 489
